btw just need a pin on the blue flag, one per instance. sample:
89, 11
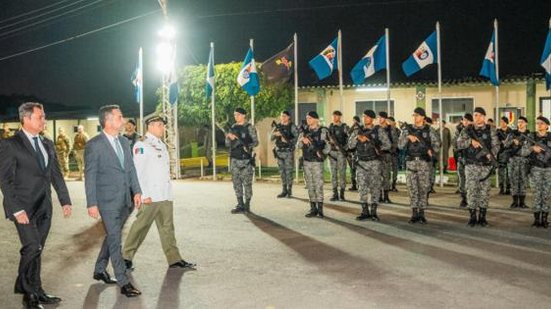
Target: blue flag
209, 87
424, 55
489, 64
546, 60
372, 62
248, 77
326, 62
136, 80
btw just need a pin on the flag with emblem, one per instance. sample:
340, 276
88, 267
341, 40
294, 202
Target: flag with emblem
546, 58
248, 77
326, 62
424, 55
279, 68
372, 62
489, 65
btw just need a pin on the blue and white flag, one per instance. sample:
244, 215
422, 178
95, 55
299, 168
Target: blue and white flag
136, 80
209, 87
546, 60
173, 88
248, 77
372, 62
489, 63
424, 55
326, 62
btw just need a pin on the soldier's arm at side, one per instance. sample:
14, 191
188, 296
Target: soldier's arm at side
352, 140
254, 136
403, 140
435, 141
325, 136
299, 141
495, 142
464, 140
294, 132
385, 141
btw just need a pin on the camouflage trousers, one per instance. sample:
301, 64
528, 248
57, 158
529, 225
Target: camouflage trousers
338, 169
368, 177
63, 160
313, 175
386, 169
432, 173
286, 164
503, 175
242, 178
394, 169
79, 156
461, 175
518, 175
541, 186
352, 163
478, 192
418, 182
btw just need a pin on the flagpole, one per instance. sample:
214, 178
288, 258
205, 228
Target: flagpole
439, 59
295, 66
213, 117
387, 52
140, 63
251, 43
496, 59
544, 81
339, 60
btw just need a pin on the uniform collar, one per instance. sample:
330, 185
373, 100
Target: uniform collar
152, 137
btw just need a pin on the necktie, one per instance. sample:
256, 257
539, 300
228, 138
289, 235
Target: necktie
120, 153
38, 153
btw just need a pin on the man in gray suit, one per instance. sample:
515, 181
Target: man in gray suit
112, 190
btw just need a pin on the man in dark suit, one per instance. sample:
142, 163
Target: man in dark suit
112, 190
28, 169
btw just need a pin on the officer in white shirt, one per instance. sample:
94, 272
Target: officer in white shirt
153, 168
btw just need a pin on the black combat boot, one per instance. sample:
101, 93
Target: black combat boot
240, 206
422, 218
514, 204
463, 203
313, 210
501, 190
386, 198
354, 187
544, 221
508, 190
290, 190
342, 195
247, 206
320, 209
537, 219
472, 219
482, 217
335, 196
521, 203
394, 189
374, 216
365, 213
381, 196
283, 192
414, 216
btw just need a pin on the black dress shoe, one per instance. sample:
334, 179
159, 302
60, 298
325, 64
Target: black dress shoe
128, 264
30, 301
46, 299
183, 264
129, 290
104, 276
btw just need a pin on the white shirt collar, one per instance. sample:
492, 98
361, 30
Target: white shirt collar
110, 137
29, 135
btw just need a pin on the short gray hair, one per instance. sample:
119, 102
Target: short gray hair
105, 111
27, 109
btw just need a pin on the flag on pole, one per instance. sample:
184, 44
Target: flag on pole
136, 80
489, 64
372, 62
546, 60
248, 77
173, 88
209, 87
326, 62
279, 68
424, 55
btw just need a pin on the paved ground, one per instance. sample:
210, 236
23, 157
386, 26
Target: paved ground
276, 258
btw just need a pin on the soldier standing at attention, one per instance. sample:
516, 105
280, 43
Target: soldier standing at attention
460, 157
518, 165
351, 158
434, 161
62, 148
369, 142
241, 139
338, 138
419, 141
503, 156
285, 135
386, 156
540, 158
480, 144
395, 152
312, 141
79, 143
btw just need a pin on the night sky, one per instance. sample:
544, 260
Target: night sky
96, 69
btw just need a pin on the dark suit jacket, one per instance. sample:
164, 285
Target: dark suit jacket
108, 185
24, 184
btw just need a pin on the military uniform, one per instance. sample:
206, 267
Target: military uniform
241, 163
313, 156
460, 163
418, 162
79, 144
394, 158
503, 160
337, 158
284, 152
518, 168
477, 167
351, 158
369, 167
386, 161
62, 148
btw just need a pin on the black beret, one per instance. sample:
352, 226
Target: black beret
505, 119
391, 119
313, 114
420, 111
131, 121
480, 110
428, 120
356, 118
338, 113
286, 113
155, 118
369, 113
523, 118
468, 116
541, 118
383, 115
241, 110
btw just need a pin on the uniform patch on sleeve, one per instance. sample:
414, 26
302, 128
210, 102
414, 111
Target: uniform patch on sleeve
138, 150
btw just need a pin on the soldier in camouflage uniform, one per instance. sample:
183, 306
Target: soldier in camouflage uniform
395, 153
434, 161
369, 142
5, 131
351, 154
79, 143
285, 135
503, 156
481, 145
419, 141
313, 142
240, 140
459, 154
386, 155
540, 158
62, 149
518, 165
338, 138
